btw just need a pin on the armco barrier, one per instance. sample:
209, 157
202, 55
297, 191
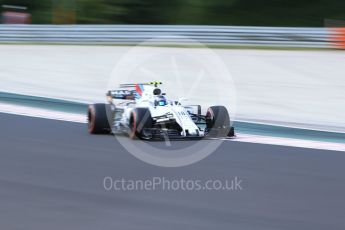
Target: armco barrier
208, 35
338, 38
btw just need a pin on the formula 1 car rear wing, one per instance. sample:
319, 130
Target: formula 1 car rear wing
123, 94
130, 91
154, 83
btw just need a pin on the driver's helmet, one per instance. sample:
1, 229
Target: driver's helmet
160, 101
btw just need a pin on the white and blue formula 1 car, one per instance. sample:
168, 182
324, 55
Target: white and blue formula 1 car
144, 112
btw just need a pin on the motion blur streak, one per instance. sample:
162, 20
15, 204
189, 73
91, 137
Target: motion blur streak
281, 86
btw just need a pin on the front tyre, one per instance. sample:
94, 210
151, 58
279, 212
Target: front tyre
218, 122
140, 120
99, 116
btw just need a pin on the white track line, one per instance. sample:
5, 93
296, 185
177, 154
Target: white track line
41, 113
282, 141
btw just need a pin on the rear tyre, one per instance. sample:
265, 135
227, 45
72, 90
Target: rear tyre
99, 116
140, 120
218, 121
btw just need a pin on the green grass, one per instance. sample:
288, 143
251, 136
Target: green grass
297, 13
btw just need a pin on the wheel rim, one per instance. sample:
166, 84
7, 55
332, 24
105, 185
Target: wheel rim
91, 121
209, 118
133, 126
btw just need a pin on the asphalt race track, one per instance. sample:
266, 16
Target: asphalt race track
51, 177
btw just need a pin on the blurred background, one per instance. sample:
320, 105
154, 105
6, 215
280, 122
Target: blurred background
279, 52
294, 13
